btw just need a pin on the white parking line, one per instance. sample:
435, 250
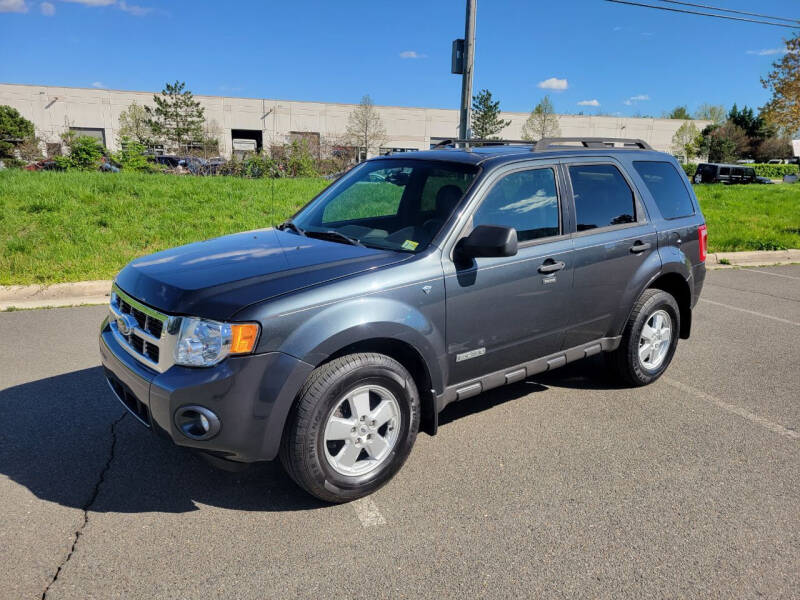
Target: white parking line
751, 312
733, 409
367, 512
769, 273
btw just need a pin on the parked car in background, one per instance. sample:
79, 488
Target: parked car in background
723, 173
764, 180
415, 280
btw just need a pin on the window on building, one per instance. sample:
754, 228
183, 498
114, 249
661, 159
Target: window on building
602, 197
97, 133
526, 200
667, 188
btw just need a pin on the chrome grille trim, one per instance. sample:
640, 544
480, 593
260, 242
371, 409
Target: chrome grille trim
165, 343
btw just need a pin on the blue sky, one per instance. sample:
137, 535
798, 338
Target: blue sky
624, 59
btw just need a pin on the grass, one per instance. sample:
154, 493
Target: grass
57, 227
751, 217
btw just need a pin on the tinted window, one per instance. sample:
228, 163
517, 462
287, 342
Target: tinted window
667, 188
602, 196
526, 200
725, 171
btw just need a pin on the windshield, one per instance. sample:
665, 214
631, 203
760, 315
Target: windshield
390, 204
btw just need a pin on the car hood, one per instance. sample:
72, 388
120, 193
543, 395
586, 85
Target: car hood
217, 278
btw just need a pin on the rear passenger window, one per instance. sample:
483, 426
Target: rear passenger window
526, 200
667, 188
725, 171
602, 196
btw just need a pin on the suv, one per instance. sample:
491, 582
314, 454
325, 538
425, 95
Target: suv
722, 173
413, 281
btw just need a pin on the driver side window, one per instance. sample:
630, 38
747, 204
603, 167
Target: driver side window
525, 200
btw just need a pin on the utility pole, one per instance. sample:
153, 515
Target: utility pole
466, 77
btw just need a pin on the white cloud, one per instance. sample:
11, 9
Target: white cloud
617, 28
767, 51
13, 6
554, 83
93, 2
48, 9
638, 98
134, 9
412, 54
592, 102
99, 85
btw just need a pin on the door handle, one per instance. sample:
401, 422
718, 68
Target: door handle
640, 247
551, 266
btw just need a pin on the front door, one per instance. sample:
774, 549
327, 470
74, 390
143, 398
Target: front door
505, 311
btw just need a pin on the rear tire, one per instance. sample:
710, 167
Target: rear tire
352, 427
648, 341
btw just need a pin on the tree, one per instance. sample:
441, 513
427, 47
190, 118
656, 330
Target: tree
679, 112
716, 113
542, 122
364, 126
773, 147
783, 82
724, 143
177, 117
746, 118
486, 121
134, 125
683, 142
14, 129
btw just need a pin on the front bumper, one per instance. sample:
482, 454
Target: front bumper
251, 395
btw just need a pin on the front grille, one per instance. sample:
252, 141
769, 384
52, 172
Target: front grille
146, 336
147, 323
128, 398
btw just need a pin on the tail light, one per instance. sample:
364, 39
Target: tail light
702, 237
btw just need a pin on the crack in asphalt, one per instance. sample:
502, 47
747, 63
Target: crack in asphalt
88, 505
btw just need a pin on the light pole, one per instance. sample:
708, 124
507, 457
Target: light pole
466, 77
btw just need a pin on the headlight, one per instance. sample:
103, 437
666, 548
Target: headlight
202, 342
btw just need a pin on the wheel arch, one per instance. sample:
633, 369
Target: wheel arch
676, 285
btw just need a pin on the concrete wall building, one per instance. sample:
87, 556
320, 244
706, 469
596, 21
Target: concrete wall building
54, 110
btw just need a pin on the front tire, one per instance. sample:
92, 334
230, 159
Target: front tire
648, 341
352, 427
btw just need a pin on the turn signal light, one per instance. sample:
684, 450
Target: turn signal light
243, 337
702, 237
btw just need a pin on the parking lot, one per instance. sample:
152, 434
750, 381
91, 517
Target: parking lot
559, 486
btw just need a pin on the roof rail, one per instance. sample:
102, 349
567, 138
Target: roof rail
572, 143
479, 142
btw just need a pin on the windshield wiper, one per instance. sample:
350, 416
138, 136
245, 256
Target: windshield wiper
289, 224
333, 235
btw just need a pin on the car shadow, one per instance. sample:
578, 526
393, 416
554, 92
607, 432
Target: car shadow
64, 437
57, 436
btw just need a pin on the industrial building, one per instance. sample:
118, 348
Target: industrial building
261, 122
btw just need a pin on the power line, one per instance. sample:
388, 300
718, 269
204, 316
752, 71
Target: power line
730, 10
702, 14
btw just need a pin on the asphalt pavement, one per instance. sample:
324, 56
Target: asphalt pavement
562, 486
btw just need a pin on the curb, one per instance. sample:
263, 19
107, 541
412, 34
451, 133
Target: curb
51, 296
759, 258
97, 292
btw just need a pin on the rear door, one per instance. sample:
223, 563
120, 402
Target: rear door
612, 238
505, 311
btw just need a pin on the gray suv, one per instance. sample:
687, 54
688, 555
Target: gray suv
413, 281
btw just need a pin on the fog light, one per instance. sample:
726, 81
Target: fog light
197, 422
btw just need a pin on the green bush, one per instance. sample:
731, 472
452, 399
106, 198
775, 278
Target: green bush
258, 166
85, 153
771, 171
132, 157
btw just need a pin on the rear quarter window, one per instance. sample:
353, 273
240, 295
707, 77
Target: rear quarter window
667, 188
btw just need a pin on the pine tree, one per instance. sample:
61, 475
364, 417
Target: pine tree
486, 121
177, 117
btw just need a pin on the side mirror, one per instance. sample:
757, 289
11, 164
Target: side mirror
490, 241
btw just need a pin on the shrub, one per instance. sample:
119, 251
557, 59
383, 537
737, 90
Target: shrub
259, 166
85, 153
132, 157
771, 171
